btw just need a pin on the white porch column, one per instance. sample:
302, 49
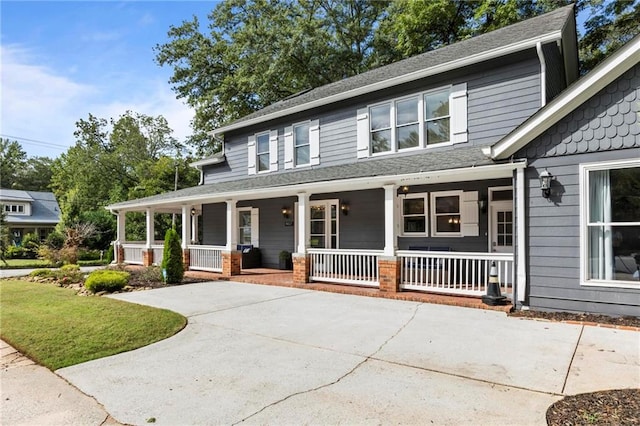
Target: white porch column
186, 226
232, 219
390, 240
303, 222
150, 227
194, 229
520, 236
120, 223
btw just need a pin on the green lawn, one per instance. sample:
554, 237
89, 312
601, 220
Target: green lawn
24, 263
56, 328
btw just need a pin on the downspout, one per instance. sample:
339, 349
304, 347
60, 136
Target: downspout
543, 75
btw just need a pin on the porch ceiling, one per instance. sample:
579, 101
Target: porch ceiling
433, 166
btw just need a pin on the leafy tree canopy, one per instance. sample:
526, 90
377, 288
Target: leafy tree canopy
257, 52
19, 172
116, 160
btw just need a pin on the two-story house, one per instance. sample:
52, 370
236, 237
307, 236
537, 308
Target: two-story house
398, 178
29, 212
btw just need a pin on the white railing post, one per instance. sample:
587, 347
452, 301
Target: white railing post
150, 225
303, 226
194, 229
186, 225
232, 232
390, 240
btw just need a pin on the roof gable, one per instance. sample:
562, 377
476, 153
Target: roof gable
501, 42
568, 101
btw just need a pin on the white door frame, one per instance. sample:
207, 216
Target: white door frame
493, 207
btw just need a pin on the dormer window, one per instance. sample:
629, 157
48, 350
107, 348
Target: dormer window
14, 208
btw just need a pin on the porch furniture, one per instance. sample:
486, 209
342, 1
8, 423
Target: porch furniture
251, 256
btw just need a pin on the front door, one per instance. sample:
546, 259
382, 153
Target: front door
501, 226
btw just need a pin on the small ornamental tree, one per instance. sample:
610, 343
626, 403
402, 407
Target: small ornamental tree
172, 258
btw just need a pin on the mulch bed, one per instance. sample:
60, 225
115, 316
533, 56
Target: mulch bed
627, 321
610, 407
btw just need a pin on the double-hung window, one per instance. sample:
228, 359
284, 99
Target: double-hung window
422, 120
436, 117
301, 144
263, 152
610, 236
446, 215
414, 214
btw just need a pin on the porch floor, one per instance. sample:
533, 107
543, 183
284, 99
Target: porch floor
265, 276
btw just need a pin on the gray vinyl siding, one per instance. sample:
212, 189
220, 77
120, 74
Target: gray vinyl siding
501, 95
214, 224
479, 243
363, 227
556, 79
605, 128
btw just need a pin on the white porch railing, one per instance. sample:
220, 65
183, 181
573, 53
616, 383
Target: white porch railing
133, 253
158, 253
454, 272
206, 258
359, 267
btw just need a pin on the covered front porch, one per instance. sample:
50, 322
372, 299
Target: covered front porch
430, 232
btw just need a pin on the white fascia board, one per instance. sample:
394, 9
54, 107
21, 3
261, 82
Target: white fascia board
579, 93
494, 171
416, 75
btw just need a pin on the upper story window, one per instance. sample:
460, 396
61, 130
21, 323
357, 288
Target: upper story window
263, 152
302, 144
419, 121
610, 222
14, 208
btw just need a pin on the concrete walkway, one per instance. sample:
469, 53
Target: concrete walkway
273, 355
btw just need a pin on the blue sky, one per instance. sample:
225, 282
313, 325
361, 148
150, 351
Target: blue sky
61, 61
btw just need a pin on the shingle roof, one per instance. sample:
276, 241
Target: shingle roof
433, 160
44, 207
550, 23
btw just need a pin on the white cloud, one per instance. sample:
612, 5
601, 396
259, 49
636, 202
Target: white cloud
41, 104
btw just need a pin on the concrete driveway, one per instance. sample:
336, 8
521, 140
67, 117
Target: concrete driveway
272, 355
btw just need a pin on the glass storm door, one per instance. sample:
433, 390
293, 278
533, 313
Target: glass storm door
323, 225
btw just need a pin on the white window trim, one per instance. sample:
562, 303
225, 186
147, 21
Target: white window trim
427, 215
434, 224
290, 147
584, 170
258, 153
255, 225
327, 220
457, 133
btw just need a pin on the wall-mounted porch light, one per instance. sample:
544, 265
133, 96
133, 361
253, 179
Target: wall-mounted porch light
344, 208
193, 211
482, 205
285, 212
545, 183
405, 189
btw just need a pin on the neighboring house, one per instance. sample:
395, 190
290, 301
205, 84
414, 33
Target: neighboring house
405, 177
29, 212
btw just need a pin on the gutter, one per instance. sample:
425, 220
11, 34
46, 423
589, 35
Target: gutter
368, 182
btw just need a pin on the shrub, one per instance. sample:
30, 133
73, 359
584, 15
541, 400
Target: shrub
84, 254
172, 257
42, 273
106, 280
69, 268
14, 252
52, 255
30, 244
55, 240
108, 258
